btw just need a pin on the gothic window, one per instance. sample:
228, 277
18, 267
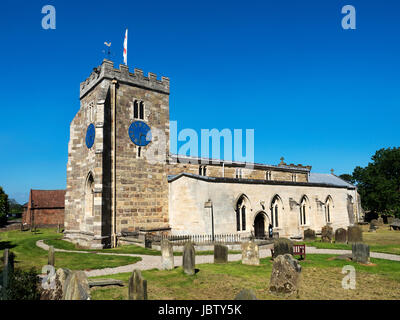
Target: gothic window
241, 213
243, 218
268, 175
276, 206
294, 178
328, 206
303, 210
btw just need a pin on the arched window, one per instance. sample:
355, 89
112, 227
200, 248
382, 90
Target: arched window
276, 206
241, 213
268, 175
328, 206
243, 218
303, 211
89, 196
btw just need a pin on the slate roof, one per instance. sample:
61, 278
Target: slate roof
327, 178
318, 180
48, 198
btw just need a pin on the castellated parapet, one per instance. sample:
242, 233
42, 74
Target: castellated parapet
107, 71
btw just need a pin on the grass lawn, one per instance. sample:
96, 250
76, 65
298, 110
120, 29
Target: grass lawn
23, 245
383, 240
321, 279
132, 249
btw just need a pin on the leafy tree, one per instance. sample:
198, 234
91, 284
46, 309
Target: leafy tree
4, 207
379, 182
347, 177
15, 207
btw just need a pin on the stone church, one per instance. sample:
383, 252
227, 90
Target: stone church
122, 178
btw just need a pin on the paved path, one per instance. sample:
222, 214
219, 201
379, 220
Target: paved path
154, 262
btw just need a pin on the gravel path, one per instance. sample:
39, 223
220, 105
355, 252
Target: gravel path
154, 262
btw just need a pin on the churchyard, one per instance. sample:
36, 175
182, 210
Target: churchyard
320, 276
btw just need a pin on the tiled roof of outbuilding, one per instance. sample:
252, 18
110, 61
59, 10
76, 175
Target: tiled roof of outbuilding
48, 198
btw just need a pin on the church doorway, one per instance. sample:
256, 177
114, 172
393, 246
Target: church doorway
259, 225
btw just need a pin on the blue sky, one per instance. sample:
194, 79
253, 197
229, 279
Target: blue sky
313, 92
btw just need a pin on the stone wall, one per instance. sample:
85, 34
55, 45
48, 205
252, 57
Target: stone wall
188, 196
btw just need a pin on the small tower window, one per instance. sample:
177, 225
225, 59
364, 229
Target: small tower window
138, 110
141, 110
268, 175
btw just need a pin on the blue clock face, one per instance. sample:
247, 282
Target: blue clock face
140, 133
90, 135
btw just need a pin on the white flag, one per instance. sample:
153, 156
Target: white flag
126, 48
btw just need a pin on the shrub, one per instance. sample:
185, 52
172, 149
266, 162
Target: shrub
24, 285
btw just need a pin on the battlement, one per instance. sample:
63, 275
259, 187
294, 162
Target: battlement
106, 71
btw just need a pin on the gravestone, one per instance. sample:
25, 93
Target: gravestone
167, 255
326, 234
395, 225
220, 253
246, 294
189, 258
147, 242
309, 235
340, 235
8, 269
390, 220
51, 256
250, 253
380, 221
282, 246
354, 234
285, 276
77, 286
360, 252
137, 286
372, 226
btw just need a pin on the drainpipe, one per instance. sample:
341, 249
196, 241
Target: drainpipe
114, 155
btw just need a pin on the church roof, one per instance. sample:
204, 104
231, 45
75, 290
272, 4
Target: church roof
48, 198
327, 178
318, 180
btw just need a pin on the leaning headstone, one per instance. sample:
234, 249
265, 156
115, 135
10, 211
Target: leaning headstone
77, 287
167, 255
285, 276
51, 257
250, 253
354, 234
360, 252
309, 235
340, 235
137, 286
189, 258
246, 294
326, 234
282, 246
220, 253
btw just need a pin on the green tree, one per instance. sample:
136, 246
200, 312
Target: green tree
4, 207
379, 182
347, 177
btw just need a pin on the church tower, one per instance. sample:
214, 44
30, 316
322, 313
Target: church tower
117, 171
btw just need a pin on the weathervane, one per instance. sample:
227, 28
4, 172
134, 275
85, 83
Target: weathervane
107, 52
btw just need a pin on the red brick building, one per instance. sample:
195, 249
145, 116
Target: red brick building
45, 208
